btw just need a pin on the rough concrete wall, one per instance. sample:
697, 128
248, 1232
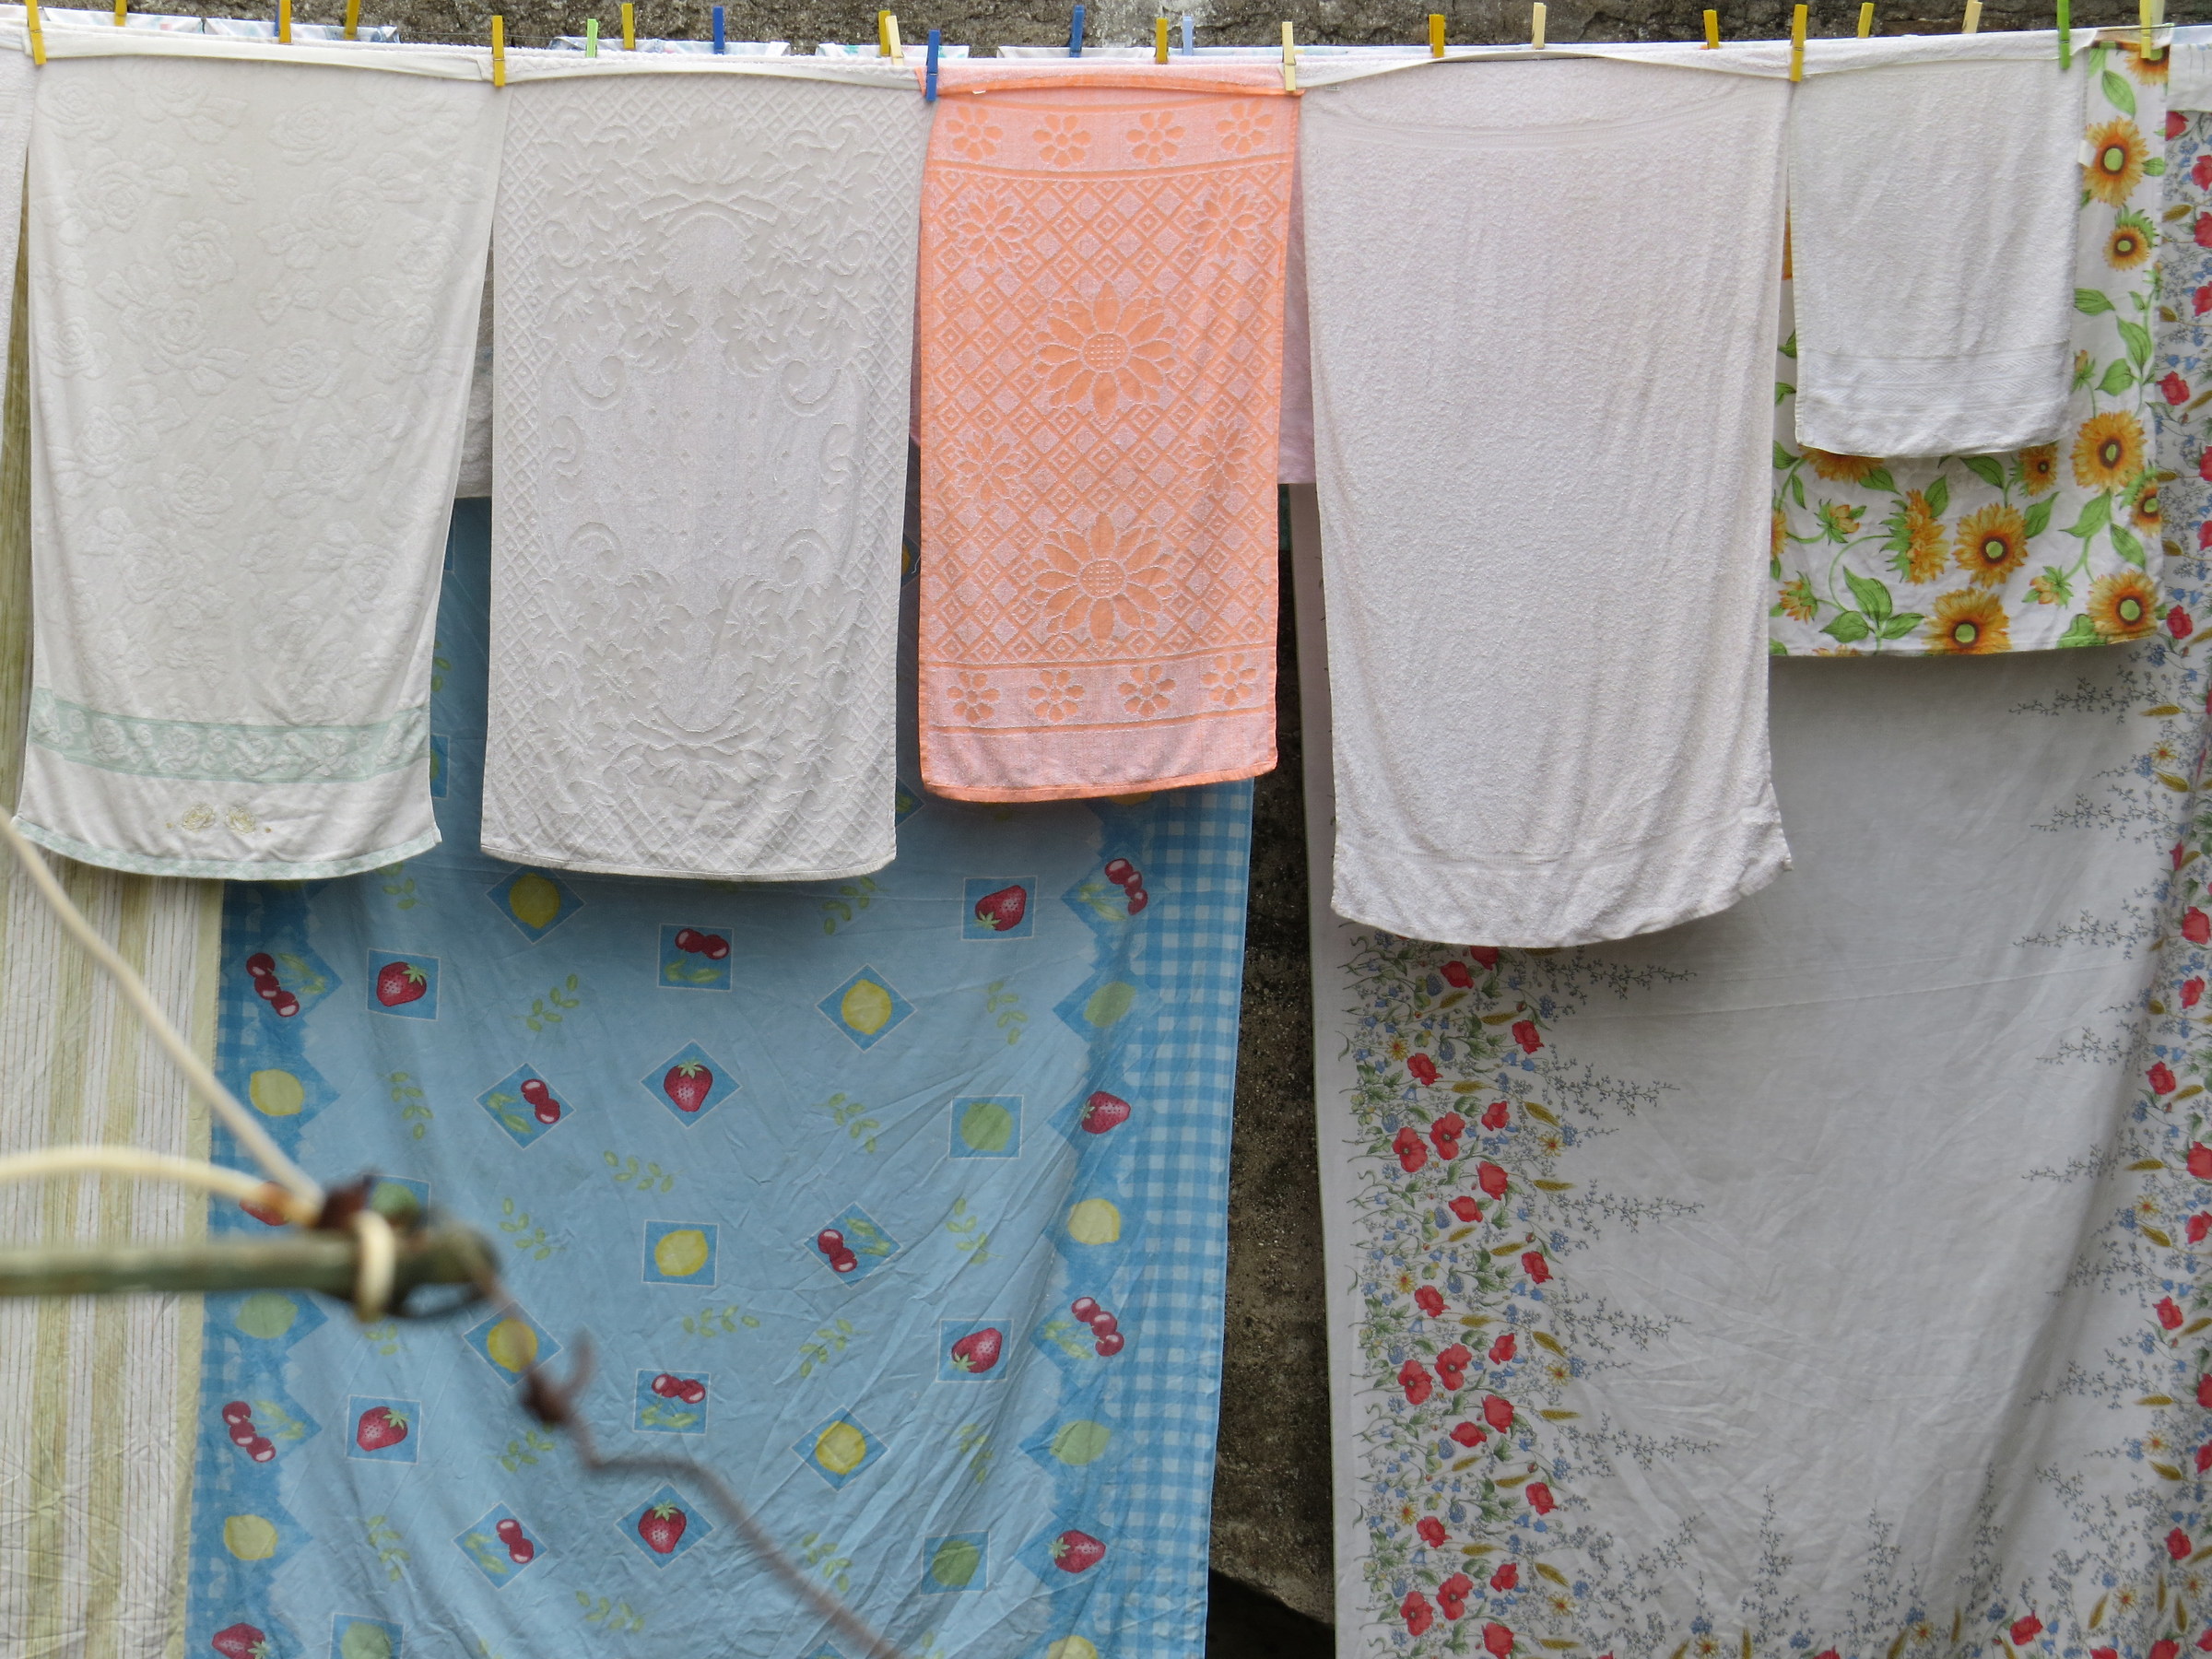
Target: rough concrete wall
1271, 1506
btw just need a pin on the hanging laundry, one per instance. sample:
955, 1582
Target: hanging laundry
1101, 317
1932, 216
1294, 450
253, 295
2055, 544
1550, 700
899, 1203
704, 301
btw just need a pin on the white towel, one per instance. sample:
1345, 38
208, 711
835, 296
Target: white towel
253, 292
1932, 210
1542, 302
699, 464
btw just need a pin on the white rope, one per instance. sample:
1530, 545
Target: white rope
250, 1135
52, 1161
378, 1255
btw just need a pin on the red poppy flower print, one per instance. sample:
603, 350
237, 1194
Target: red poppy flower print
2173, 388
1525, 1033
1494, 1115
1443, 1134
2204, 1392
2199, 1225
2202, 300
1457, 975
1451, 1367
1466, 1434
1423, 1069
1535, 1266
2204, 222
2104, 1654
2176, 123
2192, 992
1497, 1640
2203, 1458
2196, 927
1506, 1576
1416, 1612
1467, 1209
2203, 1642
2025, 1631
1431, 1303
1491, 1178
2168, 1313
1411, 1150
1413, 1377
2178, 1544
1502, 1351
2168, 1648
2202, 173
2200, 1160
2161, 1078
1485, 954
2203, 534
1497, 1412
2180, 623
1540, 1498
1432, 1531
1451, 1595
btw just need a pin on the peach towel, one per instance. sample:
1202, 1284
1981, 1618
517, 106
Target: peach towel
1102, 303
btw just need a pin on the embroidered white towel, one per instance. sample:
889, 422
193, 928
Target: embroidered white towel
253, 292
1550, 702
701, 395
1932, 213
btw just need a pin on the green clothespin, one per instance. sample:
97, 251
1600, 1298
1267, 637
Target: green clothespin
590, 37
2065, 34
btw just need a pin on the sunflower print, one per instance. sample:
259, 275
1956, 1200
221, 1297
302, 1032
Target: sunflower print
1842, 469
2116, 158
2123, 606
1991, 544
2108, 452
2038, 468
1969, 623
2132, 242
1925, 554
2143, 512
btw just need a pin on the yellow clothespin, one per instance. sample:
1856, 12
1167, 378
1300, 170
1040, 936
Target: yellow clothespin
1290, 61
1973, 18
1797, 44
890, 38
499, 49
1536, 27
353, 19
883, 38
2147, 19
284, 20
1436, 34
123, 9
1160, 40
1866, 18
629, 26
37, 36
1712, 31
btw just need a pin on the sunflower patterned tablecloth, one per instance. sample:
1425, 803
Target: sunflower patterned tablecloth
2056, 545
900, 1201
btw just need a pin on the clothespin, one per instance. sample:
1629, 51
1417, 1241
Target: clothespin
38, 35
590, 37
1160, 40
499, 49
883, 38
929, 83
1290, 61
1797, 44
2148, 13
1074, 34
1536, 25
890, 34
1712, 31
2065, 34
353, 19
718, 34
1187, 47
122, 10
1866, 18
1436, 34
284, 20
1973, 18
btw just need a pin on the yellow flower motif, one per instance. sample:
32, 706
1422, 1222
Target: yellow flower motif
2152, 69
2108, 452
2130, 243
2039, 467
973, 135
1778, 535
1101, 579
1063, 140
2144, 509
1147, 691
1156, 137
1991, 544
2120, 606
1229, 680
1841, 469
1924, 553
1105, 351
1846, 518
972, 696
1969, 623
1798, 600
1244, 128
1056, 696
2115, 165
1395, 1048
2045, 590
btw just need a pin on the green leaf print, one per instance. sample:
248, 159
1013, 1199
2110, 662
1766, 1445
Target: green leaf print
2039, 516
2081, 631
1986, 468
1783, 460
1789, 346
1879, 478
2090, 303
1874, 597
2118, 377
2094, 517
2128, 545
1898, 626
2155, 168
2138, 341
1938, 495
2118, 93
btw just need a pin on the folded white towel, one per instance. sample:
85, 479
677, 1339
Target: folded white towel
1932, 210
1543, 462
253, 293
699, 466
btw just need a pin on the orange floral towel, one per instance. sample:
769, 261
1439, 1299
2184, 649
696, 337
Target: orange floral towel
1101, 317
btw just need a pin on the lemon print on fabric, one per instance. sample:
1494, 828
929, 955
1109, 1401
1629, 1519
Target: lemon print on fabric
1072, 1647
955, 1563
839, 1448
275, 1093
988, 1128
365, 1641
1095, 1221
1082, 1441
511, 1342
679, 1253
535, 902
1109, 1002
866, 1008
267, 1314
249, 1537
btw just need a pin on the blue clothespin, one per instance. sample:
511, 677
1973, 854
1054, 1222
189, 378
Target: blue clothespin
929, 86
1074, 35
1186, 31
718, 28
